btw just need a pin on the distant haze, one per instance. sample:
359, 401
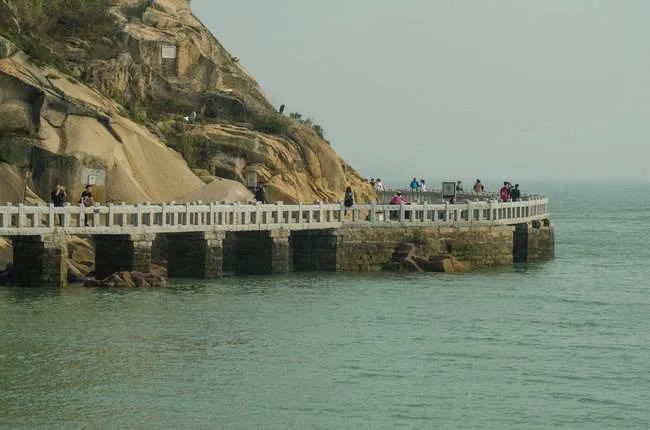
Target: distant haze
553, 89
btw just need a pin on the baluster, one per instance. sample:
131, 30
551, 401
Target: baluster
109, 216
96, 215
50, 216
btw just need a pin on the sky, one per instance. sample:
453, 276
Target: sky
447, 89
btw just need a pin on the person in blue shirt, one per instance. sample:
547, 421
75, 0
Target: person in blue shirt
414, 185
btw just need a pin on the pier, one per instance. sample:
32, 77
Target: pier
205, 239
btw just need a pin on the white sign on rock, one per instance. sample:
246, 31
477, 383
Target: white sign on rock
169, 51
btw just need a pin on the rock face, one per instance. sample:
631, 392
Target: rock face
106, 107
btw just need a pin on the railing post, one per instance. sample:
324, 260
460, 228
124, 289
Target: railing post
300, 214
188, 214
96, 215
321, 212
82, 216
109, 216
21, 215
342, 212
402, 212
50, 216
66, 215
373, 212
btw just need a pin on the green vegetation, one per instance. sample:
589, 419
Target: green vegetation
43, 21
272, 124
308, 122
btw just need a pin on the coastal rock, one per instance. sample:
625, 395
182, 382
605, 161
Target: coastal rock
107, 103
130, 280
15, 117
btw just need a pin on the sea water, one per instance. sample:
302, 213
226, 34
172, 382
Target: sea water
564, 344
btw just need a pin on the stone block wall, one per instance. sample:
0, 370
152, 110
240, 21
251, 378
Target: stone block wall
314, 250
541, 243
41, 261
195, 255
117, 253
372, 249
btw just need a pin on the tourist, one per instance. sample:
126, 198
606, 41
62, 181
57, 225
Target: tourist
414, 185
423, 186
515, 194
478, 187
86, 200
459, 186
379, 186
372, 183
260, 194
398, 199
504, 192
348, 199
59, 196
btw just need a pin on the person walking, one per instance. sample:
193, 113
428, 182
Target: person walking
379, 186
372, 182
459, 186
423, 186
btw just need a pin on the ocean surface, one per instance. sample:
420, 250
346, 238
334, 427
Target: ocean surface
565, 344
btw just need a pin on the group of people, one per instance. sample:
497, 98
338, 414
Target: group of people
418, 186
59, 198
377, 184
508, 193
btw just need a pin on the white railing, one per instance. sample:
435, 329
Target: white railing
169, 217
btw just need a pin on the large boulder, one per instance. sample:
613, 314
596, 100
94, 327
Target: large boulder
16, 117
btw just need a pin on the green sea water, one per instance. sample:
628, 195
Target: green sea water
565, 344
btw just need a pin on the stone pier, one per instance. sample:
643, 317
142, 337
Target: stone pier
195, 255
315, 250
262, 252
41, 261
533, 242
117, 253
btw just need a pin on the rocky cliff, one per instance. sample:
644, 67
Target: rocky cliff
96, 91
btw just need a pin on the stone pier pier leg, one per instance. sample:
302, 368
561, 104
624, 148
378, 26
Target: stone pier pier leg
281, 256
195, 255
315, 250
262, 252
41, 261
533, 242
119, 253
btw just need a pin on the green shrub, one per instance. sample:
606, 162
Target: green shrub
272, 124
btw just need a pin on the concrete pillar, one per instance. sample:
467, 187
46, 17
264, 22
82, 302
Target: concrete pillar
120, 253
195, 255
262, 252
315, 250
41, 261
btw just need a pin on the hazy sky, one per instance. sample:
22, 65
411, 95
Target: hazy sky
547, 89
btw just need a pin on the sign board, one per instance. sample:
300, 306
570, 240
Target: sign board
448, 190
90, 176
169, 51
